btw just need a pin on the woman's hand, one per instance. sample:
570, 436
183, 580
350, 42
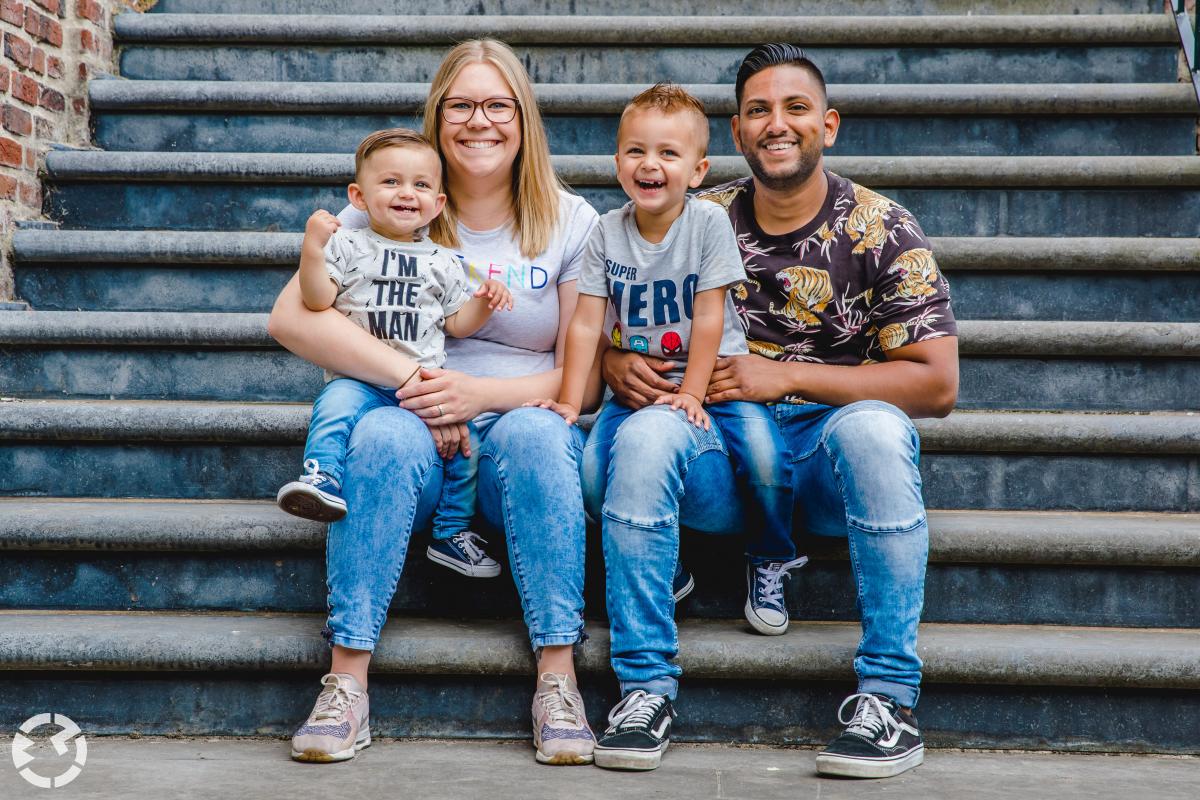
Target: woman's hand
444, 397
565, 410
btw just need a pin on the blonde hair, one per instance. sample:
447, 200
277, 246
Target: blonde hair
535, 186
671, 98
390, 137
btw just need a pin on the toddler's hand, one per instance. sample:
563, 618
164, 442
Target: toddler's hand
498, 295
690, 405
565, 410
319, 228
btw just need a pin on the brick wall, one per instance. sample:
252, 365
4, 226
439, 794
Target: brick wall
50, 49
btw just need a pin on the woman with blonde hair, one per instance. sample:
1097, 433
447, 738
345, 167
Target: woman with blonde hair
507, 217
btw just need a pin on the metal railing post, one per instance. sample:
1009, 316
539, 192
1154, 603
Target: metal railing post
1189, 38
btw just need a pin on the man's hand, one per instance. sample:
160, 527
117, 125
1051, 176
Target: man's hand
690, 405
565, 410
636, 380
750, 377
498, 295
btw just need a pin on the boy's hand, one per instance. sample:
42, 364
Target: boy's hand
565, 410
450, 439
690, 405
319, 228
498, 295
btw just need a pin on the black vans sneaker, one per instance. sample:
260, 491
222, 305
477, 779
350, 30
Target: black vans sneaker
880, 741
639, 730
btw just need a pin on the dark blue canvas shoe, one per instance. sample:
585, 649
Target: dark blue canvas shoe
314, 495
683, 583
639, 732
881, 740
462, 553
765, 608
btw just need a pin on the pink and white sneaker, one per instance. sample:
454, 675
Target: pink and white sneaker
337, 728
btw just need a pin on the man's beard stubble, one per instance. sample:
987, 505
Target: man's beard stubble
792, 178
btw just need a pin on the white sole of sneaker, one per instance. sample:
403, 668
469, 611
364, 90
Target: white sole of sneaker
615, 758
563, 759
302, 500
851, 767
321, 757
459, 567
686, 589
761, 625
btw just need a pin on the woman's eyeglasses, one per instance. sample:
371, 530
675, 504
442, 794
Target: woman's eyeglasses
457, 110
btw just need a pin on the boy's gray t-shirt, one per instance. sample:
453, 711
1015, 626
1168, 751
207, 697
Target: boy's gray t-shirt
650, 286
401, 292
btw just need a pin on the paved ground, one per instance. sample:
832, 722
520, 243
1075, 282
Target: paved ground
437, 770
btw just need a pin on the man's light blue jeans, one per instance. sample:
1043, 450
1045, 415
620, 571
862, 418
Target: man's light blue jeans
855, 475
528, 487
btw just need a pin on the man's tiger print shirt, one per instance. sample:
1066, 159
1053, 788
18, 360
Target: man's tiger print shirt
857, 281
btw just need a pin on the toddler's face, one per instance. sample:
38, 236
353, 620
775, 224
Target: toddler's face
400, 189
659, 159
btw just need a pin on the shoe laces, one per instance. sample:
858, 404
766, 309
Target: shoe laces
561, 704
335, 699
770, 578
312, 471
637, 710
871, 717
468, 542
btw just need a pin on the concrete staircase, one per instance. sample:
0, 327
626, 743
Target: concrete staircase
152, 587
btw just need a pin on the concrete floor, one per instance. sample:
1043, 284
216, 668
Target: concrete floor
433, 770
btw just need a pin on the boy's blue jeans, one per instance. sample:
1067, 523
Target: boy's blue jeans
339, 407
528, 488
855, 475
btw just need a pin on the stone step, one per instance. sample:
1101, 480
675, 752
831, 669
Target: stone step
628, 8
150, 355
1122, 570
208, 450
977, 196
1100, 279
922, 119
736, 686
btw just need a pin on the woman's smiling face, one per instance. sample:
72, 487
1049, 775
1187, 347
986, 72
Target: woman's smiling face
479, 148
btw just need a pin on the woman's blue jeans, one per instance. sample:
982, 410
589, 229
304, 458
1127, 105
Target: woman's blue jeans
528, 486
855, 475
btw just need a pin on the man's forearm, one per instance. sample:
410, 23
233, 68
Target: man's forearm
917, 389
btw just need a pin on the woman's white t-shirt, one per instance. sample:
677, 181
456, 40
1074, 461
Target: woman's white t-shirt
520, 341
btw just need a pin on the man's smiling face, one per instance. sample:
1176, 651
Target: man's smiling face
782, 126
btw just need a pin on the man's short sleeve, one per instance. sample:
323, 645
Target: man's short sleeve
720, 258
592, 279
911, 296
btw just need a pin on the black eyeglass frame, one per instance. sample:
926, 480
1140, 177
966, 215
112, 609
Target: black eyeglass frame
478, 104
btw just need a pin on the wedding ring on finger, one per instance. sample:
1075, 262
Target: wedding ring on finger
439, 408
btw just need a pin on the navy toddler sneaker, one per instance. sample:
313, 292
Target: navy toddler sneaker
880, 740
314, 495
765, 609
462, 553
683, 582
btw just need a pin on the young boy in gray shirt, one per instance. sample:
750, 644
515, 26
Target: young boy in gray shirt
408, 292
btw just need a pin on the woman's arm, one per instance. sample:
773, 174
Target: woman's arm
329, 340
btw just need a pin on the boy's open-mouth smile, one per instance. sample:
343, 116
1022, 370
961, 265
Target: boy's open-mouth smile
650, 186
403, 208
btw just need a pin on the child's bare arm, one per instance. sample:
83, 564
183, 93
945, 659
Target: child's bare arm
578, 356
708, 322
492, 295
317, 289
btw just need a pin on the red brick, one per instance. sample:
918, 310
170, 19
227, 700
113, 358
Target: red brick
16, 120
39, 61
8, 187
51, 100
11, 152
79, 106
30, 158
25, 89
18, 49
12, 11
31, 194
54, 67
44, 129
53, 6
43, 28
3, 80
89, 9
87, 41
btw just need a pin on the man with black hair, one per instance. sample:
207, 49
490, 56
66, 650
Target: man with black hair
851, 335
